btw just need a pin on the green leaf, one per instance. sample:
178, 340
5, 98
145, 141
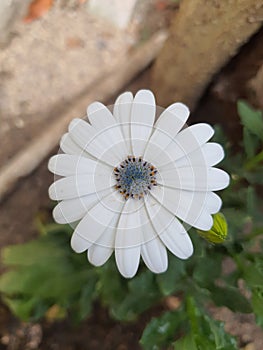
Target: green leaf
218, 233
169, 281
40, 251
142, 294
111, 287
251, 143
236, 218
206, 333
231, 298
161, 331
82, 306
255, 177
207, 270
43, 272
257, 304
251, 119
251, 201
253, 276
23, 307
253, 273
186, 343
126, 298
223, 340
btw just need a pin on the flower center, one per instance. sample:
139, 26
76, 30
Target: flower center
135, 177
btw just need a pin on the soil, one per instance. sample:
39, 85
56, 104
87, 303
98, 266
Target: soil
29, 199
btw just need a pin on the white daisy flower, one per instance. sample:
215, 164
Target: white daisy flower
130, 186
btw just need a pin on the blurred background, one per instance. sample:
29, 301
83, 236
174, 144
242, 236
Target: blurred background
57, 56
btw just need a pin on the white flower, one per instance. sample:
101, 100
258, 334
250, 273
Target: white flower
128, 185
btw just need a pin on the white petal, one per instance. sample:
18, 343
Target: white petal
154, 255
208, 155
67, 165
101, 251
128, 239
122, 113
172, 119
213, 153
79, 244
108, 130
96, 221
186, 205
71, 147
80, 185
167, 126
195, 178
84, 135
72, 210
98, 255
142, 119
100, 116
186, 141
153, 251
163, 161
92, 141
169, 229
213, 203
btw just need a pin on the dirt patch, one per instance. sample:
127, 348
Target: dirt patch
96, 333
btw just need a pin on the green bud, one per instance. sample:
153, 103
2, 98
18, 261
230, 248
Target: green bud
218, 233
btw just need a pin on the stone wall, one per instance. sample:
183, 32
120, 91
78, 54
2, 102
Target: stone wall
118, 12
10, 12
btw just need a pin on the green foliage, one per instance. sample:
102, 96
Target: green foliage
140, 294
205, 333
231, 298
172, 280
201, 331
253, 275
207, 270
251, 119
45, 273
161, 331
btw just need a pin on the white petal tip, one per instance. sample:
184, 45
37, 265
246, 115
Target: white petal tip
145, 96
73, 123
93, 259
94, 107
219, 152
227, 180
221, 179
159, 269
79, 244
52, 192
98, 256
127, 274
205, 225
52, 164
187, 254
203, 131
127, 261
123, 98
58, 215
179, 109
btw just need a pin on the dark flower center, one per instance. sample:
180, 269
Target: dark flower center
135, 177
